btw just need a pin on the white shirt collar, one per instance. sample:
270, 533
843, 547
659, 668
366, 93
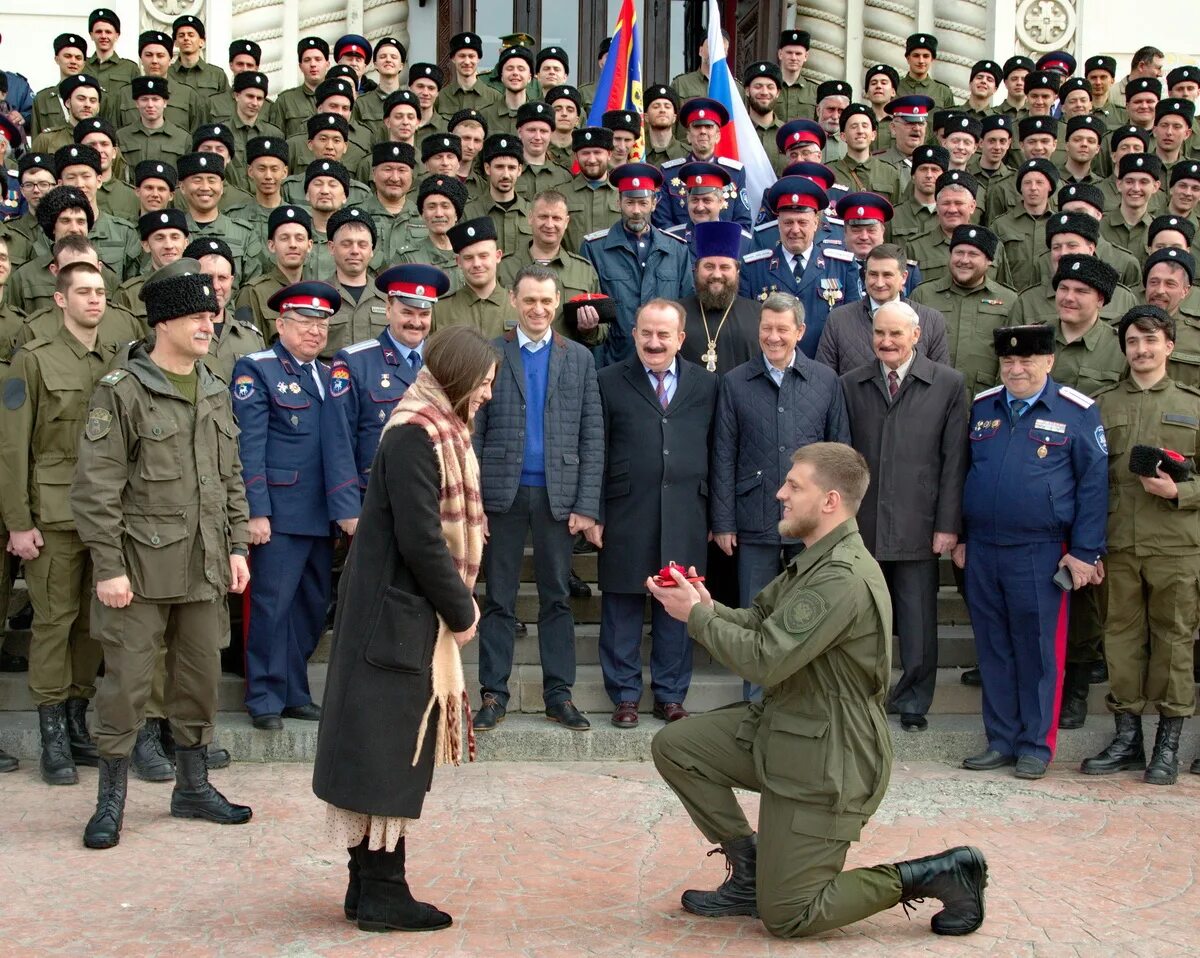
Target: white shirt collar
901, 371
533, 345
672, 370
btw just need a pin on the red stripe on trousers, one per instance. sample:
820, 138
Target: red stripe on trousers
1060, 660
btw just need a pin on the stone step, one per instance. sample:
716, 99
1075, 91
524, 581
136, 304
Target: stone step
531, 738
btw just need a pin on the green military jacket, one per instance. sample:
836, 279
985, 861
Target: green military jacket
818, 639
871, 175
113, 73
12, 320
185, 109
903, 164
1167, 415
492, 315
46, 396
767, 137
22, 235
118, 326
206, 79
368, 114
244, 132
988, 181
695, 83
168, 143
118, 199
590, 209
454, 97
358, 148
158, 493
673, 151
971, 315
253, 296
48, 112
942, 96
1023, 237
932, 251
534, 179
31, 288
797, 101
1036, 305
500, 117
1128, 236
1090, 363
223, 109
513, 229
573, 275
422, 250
1121, 260
355, 321
1183, 366
293, 108
248, 254
238, 337
394, 231
53, 139
435, 124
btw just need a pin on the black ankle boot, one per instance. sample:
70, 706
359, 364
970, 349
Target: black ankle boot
353, 886
57, 765
737, 895
956, 878
1125, 752
149, 761
194, 797
1164, 761
216, 757
104, 827
1073, 712
83, 748
385, 902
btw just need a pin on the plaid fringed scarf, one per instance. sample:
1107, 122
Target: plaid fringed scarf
461, 507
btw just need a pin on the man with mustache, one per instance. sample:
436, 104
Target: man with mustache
363, 308
721, 327
503, 160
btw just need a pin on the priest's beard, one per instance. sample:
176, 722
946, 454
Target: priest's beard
717, 294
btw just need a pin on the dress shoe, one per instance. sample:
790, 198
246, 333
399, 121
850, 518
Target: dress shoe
1073, 711
1030, 767
11, 662
83, 747
582, 547
578, 588
1097, 673
956, 878
103, 829
8, 763
972, 678
149, 761
490, 714
738, 893
566, 715
309, 712
625, 715
268, 721
669, 711
1126, 752
1163, 768
911, 722
986, 761
520, 629
195, 797
57, 765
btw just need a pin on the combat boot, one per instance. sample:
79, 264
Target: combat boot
385, 901
194, 796
956, 878
150, 762
1125, 752
104, 827
57, 766
738, 894
1164, 761
83, 747
216, 757
1073, 712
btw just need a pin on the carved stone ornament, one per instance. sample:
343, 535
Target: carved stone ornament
155, 13
1044, 25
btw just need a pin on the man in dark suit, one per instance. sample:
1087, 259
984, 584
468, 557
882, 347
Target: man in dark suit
540, 443
908, 418
847, 341
658, 413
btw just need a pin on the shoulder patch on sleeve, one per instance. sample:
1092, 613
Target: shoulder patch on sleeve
766, 226
14, 392
99, 422
804, 611
599, 234
986, 393
732, 164
1071, 394
678, 161
842, 254
114, 377
758, 255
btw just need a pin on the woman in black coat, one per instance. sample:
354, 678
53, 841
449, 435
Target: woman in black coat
394, 692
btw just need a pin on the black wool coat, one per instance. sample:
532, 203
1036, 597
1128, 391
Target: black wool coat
399, 577
655, 495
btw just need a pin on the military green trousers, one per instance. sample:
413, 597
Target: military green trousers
131, 638
155, 707
63, 656
1153, 606
802, 889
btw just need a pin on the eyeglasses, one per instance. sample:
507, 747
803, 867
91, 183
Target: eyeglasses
307, 324
34, 186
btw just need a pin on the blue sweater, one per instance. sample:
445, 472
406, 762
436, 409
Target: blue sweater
537, 373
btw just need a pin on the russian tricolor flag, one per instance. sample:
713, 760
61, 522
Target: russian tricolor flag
739, 141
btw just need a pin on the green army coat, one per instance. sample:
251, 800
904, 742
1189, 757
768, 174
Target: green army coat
118, 326
513, 230
818, 638
158, 493
492, 315
590, 209
1090, 363
573, 275
971, 315
238, 337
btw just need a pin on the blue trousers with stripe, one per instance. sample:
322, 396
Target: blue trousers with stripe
1019, 617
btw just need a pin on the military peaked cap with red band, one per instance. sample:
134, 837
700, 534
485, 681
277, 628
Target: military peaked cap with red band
795, 132
310, 298
1059, 61
701, 109
704, 177
819, 173
636, 179
864, 206
414, 284
352, 43
913, 108
795, 193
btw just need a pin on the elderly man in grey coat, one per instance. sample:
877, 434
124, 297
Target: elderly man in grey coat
540, 443
846, 341
908, 418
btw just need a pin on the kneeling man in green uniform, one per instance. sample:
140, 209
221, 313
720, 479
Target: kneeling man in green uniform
817, 747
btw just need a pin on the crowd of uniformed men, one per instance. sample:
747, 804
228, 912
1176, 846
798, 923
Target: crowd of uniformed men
914, 252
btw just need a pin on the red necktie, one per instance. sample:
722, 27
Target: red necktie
661, 390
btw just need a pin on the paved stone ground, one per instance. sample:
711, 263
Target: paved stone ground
584, 859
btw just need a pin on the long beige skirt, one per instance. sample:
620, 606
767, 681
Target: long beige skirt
347, 829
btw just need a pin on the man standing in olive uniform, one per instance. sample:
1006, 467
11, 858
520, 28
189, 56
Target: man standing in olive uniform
818, 639
592, 201
106, 65
289, 241
503, 160
920, 50
1087, 355
189, 69
481, 302
293, 107
161, 432
45, 399
1154, 553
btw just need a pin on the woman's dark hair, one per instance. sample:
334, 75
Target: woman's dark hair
459, 358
